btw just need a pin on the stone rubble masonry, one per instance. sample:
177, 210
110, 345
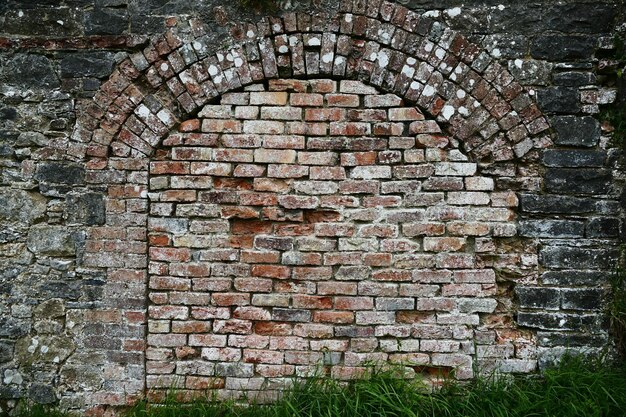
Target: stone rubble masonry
227, 211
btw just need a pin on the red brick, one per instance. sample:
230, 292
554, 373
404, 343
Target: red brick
336, 317
337, 288
350, 129
354, 303
262, 356
287, 171
239, 213
334, 229
191, 326
271, 271
301, 99
233, 326
190, 125
222, 126
358, 158
392, 275
252, 313
169, 167
253, 285
326, 114
405, 114
377, 259
343, 100
168, 312
269, 328
159, 240
170, 254
312, 273
312, 302
250, 256
268, 98
258, 199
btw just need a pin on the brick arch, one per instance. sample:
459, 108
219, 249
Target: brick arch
387, 46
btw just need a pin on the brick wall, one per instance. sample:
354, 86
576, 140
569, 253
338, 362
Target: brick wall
320, 223
199, 197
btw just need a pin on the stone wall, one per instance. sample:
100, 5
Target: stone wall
197, 195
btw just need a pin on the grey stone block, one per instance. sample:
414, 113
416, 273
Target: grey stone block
558, 100
573, 158
576, 131
572, 257
51, 240
580, 180
538, 297
552, 228
88, 209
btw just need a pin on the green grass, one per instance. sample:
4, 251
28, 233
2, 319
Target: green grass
576, 388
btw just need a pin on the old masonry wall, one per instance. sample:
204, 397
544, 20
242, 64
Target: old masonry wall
216, 198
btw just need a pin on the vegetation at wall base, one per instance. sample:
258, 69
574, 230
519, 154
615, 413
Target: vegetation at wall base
578, 387
616, 307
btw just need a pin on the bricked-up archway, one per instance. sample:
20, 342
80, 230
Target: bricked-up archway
316, 222
484, 113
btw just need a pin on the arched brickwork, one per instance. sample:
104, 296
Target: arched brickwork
483, 111
385, 45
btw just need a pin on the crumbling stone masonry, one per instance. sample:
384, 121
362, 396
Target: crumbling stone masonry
198, 198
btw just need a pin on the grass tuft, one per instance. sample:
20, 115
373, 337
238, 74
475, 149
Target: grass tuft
576, 388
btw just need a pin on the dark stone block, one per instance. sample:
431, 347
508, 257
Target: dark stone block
573, 158
42, 394
40, 73
576, 131
556, 47
8, 113
60, 173
6, 352
87, 64
60, 289
537, 297
582, 299
580, 180
290, 314
574, 79
354, 331
141, 24
106, 21
603, 227
88, 209
558, 100
578, 17
535, 203
44, 21
13, 328
558, 321
510, 45
584, 258
9, 136
552, 228
10, 392
103, 342
551, 339
6, 150
575, 278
